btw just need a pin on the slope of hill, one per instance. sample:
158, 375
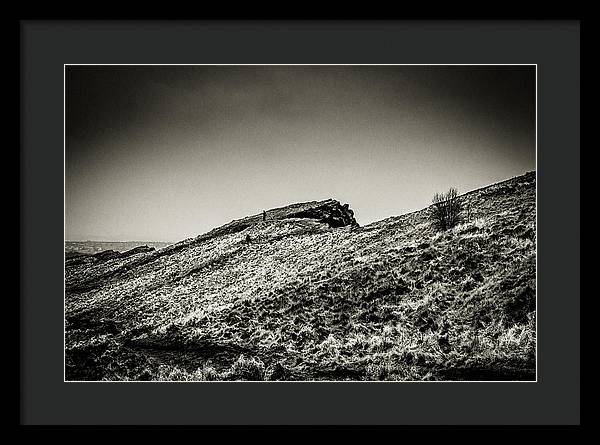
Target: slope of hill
313, 296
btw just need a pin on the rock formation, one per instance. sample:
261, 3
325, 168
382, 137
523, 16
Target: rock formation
330, 212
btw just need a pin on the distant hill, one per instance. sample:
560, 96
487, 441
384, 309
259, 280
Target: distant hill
307, 294
92, 247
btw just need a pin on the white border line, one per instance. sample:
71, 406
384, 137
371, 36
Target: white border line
300, 381
64, 225
536, 224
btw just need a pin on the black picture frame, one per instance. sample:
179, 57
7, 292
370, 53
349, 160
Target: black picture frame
47, 45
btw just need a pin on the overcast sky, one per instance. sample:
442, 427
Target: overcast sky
162, 153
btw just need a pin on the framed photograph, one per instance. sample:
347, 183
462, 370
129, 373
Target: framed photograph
334, 226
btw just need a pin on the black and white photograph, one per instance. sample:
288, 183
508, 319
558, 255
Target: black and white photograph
305, 223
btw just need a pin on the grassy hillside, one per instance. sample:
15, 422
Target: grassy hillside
306, 300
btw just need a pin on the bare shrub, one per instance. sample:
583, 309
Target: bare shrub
447, 209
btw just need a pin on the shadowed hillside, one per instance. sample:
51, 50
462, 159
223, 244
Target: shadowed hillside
307, 294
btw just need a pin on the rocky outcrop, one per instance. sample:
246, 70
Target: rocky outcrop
330, 212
